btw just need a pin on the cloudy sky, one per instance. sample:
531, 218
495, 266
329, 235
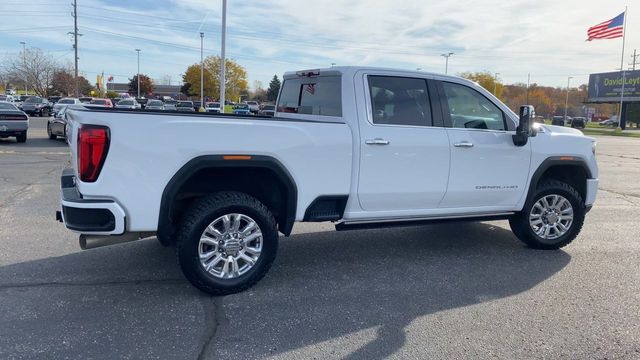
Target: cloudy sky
545, 38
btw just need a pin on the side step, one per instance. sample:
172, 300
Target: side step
379, 224
95, 241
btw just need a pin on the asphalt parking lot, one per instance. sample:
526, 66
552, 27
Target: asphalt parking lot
441, 291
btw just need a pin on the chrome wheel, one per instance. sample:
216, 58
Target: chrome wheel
551, 217
230, 246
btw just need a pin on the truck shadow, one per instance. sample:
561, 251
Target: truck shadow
323, 286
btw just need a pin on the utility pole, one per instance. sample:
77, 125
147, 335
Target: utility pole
201, 70
446, 62
566, 103
24, 66
138, 76
75, 45
634, 62
222, 57
495, 85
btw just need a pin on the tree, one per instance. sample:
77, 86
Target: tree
235, 79
487, 80
274, 89
36, 66
146, 85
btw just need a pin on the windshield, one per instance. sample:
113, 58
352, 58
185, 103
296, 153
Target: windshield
213, 105
7, 106
33, 99
185, 104
99, 102
170, 102
125, 102
154, 103
66, 101
242, 106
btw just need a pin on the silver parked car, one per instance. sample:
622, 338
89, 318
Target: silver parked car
212, 107
170, 105
128, 104
63, 103
154, 105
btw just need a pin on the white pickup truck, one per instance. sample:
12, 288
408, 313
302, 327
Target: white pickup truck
362, 147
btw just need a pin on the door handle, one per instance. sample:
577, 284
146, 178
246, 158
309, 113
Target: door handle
376, 141
464, 144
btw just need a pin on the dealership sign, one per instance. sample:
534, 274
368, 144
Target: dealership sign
606, 87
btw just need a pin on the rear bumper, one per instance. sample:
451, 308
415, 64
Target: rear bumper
592, 190
13, 128
88, 216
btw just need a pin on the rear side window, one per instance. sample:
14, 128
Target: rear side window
471, 110
400, 101
312, 96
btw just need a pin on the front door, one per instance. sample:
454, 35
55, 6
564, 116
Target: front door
404, 158
487, 170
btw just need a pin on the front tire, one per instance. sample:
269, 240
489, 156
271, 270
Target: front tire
226, 243
51, 135
552, 218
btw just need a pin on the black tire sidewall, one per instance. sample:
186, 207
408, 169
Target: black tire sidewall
576, 224
188, 249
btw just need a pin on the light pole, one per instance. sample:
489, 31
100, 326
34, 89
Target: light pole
201, 70
566, 102
24, 64
138, 76
222, 57
495, 85
446, 62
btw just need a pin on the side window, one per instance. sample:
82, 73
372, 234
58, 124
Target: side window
471, 110
312, 96
400, 101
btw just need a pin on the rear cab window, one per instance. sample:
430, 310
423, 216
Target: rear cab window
315, 95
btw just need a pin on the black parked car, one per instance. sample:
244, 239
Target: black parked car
54, 99
579, 123
557, 120
142, 102
37, 106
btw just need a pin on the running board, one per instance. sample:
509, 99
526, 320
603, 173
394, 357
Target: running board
385, 223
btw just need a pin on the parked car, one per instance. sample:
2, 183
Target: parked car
254, 107
98, 102
579, 122
557, 120
379, 156
154, 105
186, 106
609, 122
212, 107
13, 122
54, 99
56, 125
37, 106
130, 103
197, 105
62, 103
7, 98
241, 109
170, 105
85, 99
142, 102
268, 110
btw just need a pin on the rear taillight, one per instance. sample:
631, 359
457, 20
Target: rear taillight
93, 145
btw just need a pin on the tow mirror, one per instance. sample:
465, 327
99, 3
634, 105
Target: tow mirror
525, 127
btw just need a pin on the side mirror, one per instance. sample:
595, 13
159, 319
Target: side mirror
525, 126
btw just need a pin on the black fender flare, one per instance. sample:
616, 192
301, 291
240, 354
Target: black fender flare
555, 161
165, 222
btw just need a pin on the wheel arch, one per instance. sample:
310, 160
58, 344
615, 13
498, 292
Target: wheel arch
216, 168
569, 169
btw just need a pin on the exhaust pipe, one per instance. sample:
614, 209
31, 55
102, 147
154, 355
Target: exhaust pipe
95, 241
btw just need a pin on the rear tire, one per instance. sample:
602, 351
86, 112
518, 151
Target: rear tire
22, 137
51, 135
198, 221
553, 226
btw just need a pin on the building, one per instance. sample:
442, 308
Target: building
158, 90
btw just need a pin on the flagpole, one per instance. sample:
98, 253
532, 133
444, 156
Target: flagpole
624, 33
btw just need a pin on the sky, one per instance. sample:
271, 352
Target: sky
543, 38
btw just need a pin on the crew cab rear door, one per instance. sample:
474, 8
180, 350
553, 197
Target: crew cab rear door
404, 150
488, 172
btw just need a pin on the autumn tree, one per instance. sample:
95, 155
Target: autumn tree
235, 79
146, 85
34, 65
487, 80
274, 89
63, 83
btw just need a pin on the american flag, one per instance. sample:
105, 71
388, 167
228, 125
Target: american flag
609, 29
